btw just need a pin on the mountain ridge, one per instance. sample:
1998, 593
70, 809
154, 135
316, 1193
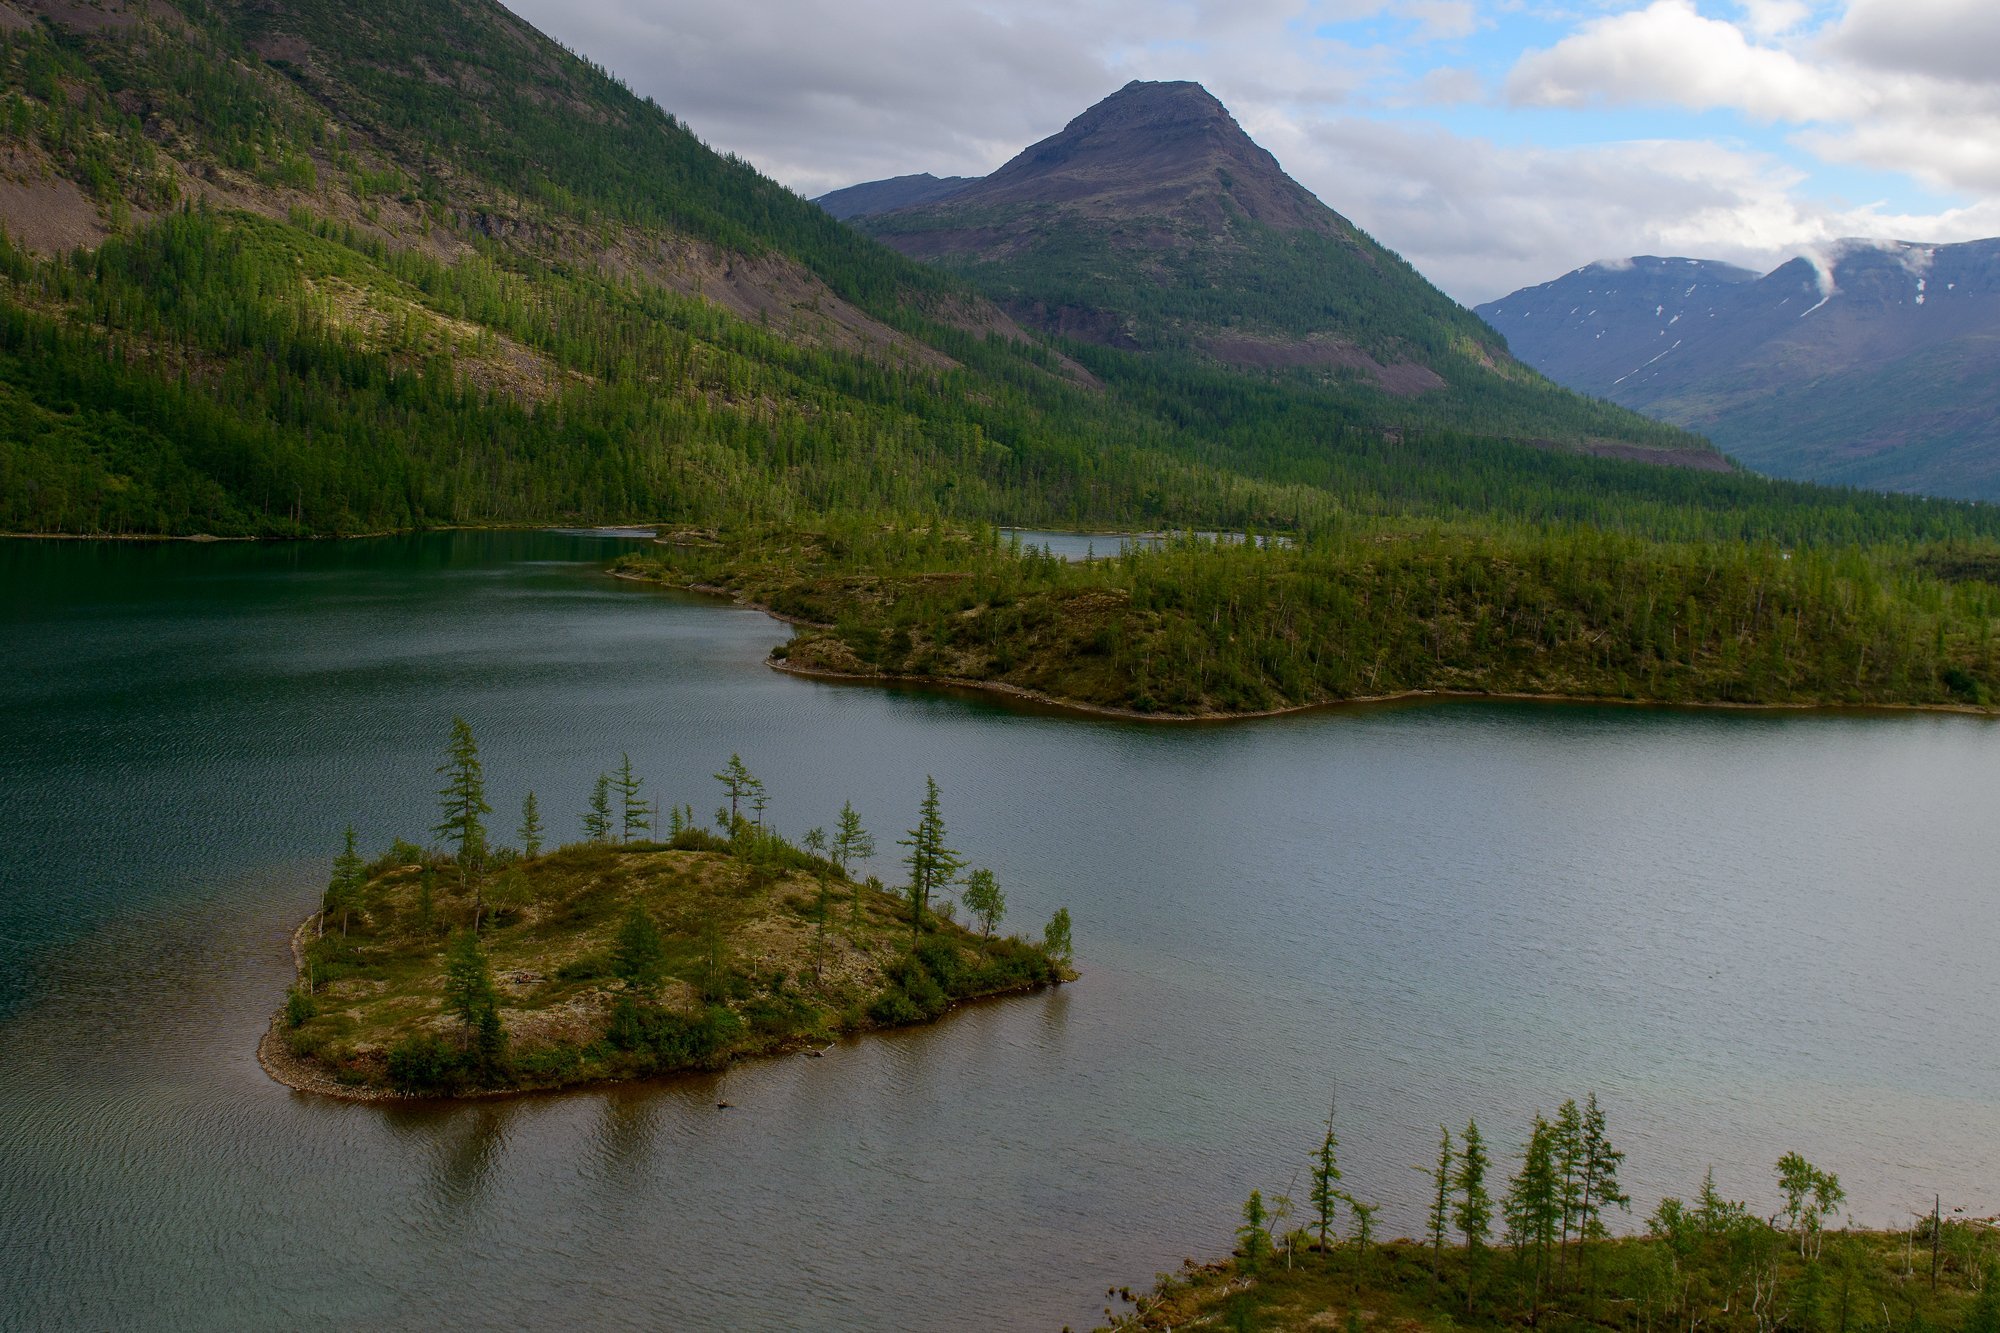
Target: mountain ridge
1868, 363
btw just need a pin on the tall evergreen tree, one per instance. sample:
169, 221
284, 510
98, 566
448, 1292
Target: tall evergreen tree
851, 842
343, 890
1534, 1207
735, 779
634, 815
932, 863
638, 956
462, 800
1567, 1148
1325, 1193
597, 819
1439, 1219
468, 987
1600, 1178
531, 827
1473, 1212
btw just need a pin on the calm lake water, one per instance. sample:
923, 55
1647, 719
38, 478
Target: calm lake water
1748, 933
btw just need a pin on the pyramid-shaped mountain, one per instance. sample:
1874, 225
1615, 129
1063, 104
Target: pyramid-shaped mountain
1153, 222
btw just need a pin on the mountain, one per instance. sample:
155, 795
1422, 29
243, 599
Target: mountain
1152, 221
299, 267
1153, 224
1873, 365
883, 196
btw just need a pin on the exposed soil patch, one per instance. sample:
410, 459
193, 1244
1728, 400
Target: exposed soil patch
1404, 379
45, 214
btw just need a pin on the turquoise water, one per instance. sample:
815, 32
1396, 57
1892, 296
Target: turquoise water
1748, 933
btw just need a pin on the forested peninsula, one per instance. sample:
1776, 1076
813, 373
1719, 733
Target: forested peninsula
651, 946
1207, 628
1534, 1237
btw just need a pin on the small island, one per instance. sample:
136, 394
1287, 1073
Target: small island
479, 971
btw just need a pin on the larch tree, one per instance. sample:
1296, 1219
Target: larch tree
1254, 1242
932, 863
851, 842
462, 800
597, 819
1600, 1179
735, 779
638, 956
1325, 1193
1534, 1207
634, 815
343, 890
1438, 1221
468, 988
1472, 1213
531, 827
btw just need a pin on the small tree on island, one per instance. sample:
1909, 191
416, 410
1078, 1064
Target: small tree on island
597, 819
462, 800
851, 842
1056, 941
1473, 1212
468, 988
634, 815
1253, 1241
735, 779
638, 957
531, 827
343, 890
1325, 1195
815, 842
983, 898
932, 864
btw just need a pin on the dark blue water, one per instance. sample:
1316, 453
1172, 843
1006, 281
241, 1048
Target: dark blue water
1748, 933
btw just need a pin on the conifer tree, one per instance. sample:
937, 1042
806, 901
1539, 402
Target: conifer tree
1567, 1148
639, 955
468, 987
1439, 1218
462, 800
1600, 1178
597, 819
735, 779
1473, 1212
343, 890
932, 864
633, 812
531, 827
758, 800
851, 842
1254, 1240
1325, 1194
1534, 1206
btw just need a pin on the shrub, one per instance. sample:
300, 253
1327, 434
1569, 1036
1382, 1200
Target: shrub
912, 996
664, 1039
590, 967
427, 1064
299, 1007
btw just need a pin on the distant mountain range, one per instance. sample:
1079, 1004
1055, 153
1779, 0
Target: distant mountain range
896, 192
1876, 364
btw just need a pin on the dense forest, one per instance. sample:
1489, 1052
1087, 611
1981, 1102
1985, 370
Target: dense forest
1355, 611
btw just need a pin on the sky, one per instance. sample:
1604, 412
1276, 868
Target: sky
1494, 143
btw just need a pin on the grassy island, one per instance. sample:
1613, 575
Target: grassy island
428, 973
1368, 611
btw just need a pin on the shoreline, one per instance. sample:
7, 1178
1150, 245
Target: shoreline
1081, 708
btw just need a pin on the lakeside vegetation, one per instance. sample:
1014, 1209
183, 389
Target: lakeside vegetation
653, 945
1537, 1251
1200, 628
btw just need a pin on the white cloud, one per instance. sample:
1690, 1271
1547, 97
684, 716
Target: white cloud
1669, 53
823, 93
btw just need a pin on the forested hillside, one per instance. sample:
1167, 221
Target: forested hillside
299, 268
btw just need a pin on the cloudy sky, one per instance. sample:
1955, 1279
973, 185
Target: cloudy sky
1495, 143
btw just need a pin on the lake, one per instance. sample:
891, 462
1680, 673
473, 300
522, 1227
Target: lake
1749, 933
